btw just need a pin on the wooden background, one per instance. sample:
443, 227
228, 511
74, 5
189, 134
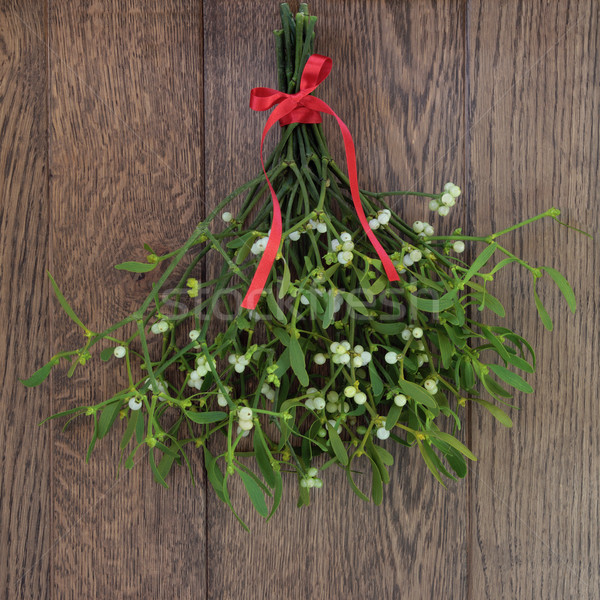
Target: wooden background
123, 121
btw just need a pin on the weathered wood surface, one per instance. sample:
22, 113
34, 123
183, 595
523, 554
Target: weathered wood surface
122, 122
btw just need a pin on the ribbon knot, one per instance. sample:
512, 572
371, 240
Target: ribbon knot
301, 107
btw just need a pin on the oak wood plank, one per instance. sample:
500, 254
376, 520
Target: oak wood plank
25, 511
533, 109
397, 81
126, 167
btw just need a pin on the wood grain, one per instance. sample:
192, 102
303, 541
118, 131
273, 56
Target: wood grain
533, 112
122, 121
25, 516
126, 167
411, 87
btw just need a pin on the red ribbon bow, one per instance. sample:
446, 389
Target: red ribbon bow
303, 108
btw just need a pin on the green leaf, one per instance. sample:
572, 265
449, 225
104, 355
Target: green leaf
495, 411
93, 440
478, 263
328, 314
107, 354
432, 305
511, 378
376, 484
41, 374
130, 429
354, 487
452, 441
417, 393
255, 493
337, 445
517, 361
108, 416
430, 461
446, 349
263, 458
277, 494
274, 308
374, 455
544, 316
66, 307
136, 267
384, 455
455, 459
297, 360
206, 417
376, 383
157, 474
393, 416
563, 286
214, 474
285, 282
355, 303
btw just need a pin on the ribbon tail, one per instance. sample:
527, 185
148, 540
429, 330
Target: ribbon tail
386, 261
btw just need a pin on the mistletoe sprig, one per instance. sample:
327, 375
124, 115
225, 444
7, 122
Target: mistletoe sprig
335, 362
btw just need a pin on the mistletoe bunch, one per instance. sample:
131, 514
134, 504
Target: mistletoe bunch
335, 362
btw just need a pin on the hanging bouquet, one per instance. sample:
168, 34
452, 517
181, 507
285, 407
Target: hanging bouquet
356, 329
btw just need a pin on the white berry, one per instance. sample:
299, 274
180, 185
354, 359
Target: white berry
135, 403
119, 352
391, 358
458, 247
227, 216
400, 399
382, 433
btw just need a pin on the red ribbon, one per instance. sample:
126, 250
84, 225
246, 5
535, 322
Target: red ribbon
303, 108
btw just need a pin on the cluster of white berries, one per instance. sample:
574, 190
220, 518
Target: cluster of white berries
245, 422
413, 256
267, 391
335, 404
410, 332
159, 327
314, 400
382, 218
423, 228
221, 398
431, 386
161, 388
351, 391
197, 375
343, 247
310, 480
317, 226
447, 200
260, 244
342, 353
239, 362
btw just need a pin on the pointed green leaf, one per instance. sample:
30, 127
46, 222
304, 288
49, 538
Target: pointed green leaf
430, 461
108, 417
417, 393
355, 303
254, 492
206, 417
511, 378
274, 308
563, 286
130, 429
544, 316
393, 416
136, 267
263, 457
297, 360
495, 411
479, 263
65, 305
40, 375
337, 445
286, 280
452, 441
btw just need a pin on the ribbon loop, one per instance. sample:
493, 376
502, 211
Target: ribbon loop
303, 108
